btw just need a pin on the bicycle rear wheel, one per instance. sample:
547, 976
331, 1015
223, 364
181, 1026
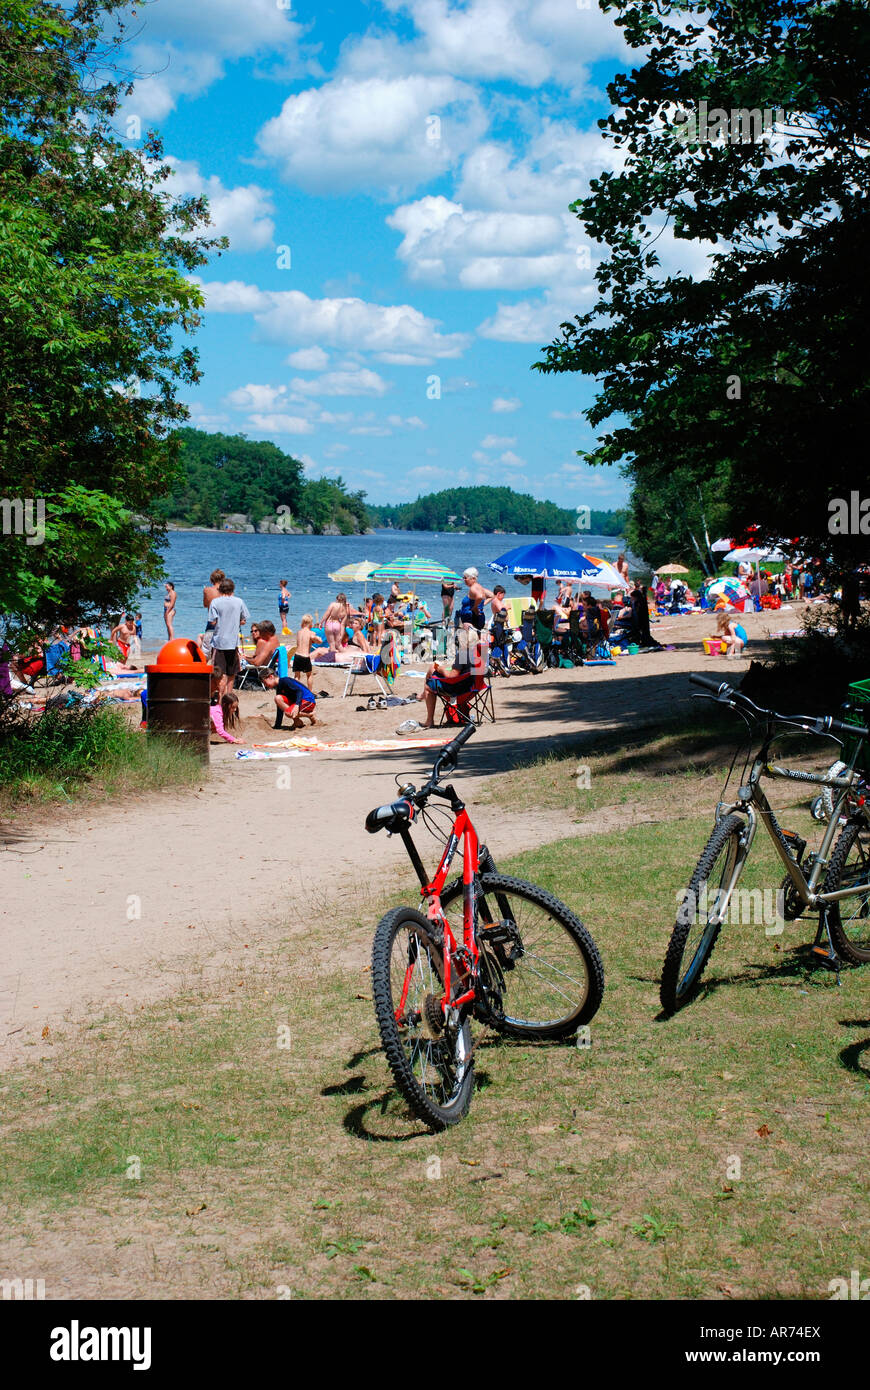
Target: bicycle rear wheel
431, 1062
541, 973
698, 922
849, 918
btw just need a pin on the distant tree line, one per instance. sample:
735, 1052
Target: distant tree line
223, 474
491, 509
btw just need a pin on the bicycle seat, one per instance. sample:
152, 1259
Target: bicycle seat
391, 817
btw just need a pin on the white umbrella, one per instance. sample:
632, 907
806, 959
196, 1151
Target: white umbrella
747, 554
754, 553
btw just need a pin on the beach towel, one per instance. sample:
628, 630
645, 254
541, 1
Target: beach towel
258, 754
371, 745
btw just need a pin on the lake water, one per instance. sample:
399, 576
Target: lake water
256, 563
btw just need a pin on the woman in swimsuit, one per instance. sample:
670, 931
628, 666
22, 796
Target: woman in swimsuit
334, 622
448, 594
169, 608
283, 602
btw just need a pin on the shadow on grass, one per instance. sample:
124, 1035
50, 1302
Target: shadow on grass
802, 967
850, 1057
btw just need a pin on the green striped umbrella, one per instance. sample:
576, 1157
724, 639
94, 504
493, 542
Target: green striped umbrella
414, 569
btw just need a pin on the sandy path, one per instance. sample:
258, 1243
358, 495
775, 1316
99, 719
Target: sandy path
120, 904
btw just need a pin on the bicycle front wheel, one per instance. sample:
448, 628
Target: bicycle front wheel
849, 918
431, 1062
699, 919
541, 973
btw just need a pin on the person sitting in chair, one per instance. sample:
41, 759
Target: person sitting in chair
443, 680
266, 640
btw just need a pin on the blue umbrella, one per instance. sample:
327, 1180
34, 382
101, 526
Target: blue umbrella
553, 561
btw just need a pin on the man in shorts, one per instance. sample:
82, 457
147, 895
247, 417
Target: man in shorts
229, 614
291, 698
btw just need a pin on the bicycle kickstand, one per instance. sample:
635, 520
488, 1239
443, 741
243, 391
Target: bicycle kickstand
825, 953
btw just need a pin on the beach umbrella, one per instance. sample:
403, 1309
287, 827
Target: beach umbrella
749, 554
606, 575
672, 569
752, 554
542, 558
414, 569
357, 573
722, 545
729, 589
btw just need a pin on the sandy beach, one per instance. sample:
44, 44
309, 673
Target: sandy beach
120, 904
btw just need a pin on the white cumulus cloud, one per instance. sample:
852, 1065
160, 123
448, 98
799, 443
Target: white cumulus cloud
244, 213
361, 382
383, 134
289, 316
503, 405
312, 359
282, 424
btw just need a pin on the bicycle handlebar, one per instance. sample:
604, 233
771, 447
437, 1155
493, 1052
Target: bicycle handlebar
822, 725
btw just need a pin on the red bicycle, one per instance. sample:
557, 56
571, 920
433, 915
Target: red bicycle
527, 967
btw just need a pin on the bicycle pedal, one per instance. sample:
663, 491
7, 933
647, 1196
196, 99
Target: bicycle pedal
829, 959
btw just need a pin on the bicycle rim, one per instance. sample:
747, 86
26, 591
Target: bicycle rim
545, 967
433, 1072
710, 893
849, 918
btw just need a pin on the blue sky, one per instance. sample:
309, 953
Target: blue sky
394, 178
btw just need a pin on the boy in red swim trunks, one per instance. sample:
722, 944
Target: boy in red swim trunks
291, 698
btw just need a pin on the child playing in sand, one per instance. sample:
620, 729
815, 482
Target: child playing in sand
305, 639
224, 713
291, 698
731, 632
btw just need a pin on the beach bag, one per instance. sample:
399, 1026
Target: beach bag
565, 664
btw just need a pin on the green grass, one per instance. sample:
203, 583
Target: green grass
66, 754
612, 1168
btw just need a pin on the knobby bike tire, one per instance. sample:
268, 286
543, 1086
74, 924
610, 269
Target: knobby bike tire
434, 1077
570, 972
843, 916
678, 988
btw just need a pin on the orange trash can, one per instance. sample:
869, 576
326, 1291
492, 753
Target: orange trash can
179, 695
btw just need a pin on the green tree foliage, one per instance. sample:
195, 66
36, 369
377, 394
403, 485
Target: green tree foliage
749, 382
487, 509
223, 473
95, 303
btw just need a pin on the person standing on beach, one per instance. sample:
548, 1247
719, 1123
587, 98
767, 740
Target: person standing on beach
334, 621
229, 614
305, 639
448, 594
283, 603
169, 608
622, 569
209, 594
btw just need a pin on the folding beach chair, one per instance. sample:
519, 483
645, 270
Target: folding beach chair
252, 676
546, 638
576, 645
465, 700
370, 665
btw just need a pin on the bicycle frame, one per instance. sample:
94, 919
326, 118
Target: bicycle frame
753, 804
462, 829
